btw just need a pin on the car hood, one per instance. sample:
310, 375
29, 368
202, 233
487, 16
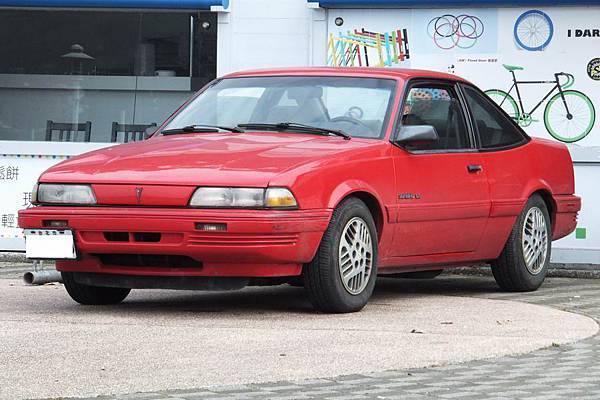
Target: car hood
232, 159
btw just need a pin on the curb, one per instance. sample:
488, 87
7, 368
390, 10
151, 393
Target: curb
13, 257
555, 271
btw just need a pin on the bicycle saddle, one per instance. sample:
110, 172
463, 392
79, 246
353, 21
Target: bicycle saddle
512, 67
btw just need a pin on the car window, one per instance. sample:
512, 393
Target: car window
234, 103
356, 106
369, 110
437, 106
495, 130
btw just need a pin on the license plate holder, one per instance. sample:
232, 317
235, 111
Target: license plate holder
51, 244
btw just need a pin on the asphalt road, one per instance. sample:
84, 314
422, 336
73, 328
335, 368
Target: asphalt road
165, 340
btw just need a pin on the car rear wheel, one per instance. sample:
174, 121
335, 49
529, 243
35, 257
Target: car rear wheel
342, 275
523, 264
92, 295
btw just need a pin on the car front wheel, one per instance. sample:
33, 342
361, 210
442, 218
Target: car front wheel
92, 295
523, 264
342, 275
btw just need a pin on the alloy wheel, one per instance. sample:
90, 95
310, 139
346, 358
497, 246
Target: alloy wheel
355, 256
535, 240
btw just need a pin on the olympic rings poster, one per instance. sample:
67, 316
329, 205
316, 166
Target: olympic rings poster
474, 31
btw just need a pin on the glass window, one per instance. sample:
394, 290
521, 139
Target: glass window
357, 106
95, 43
369, 111
495, 130
90, 70
439, 107
231, 104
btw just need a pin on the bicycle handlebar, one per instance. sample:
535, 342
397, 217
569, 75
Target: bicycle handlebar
570, 79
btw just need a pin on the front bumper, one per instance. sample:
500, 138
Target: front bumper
166, 241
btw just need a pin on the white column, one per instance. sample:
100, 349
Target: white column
224, 39
318, 36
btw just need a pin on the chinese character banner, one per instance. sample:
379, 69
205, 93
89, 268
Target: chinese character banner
18, 174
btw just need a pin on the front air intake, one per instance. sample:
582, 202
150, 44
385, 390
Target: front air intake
149, 260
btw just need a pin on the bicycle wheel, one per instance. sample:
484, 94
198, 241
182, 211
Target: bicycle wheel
443, 31
533, 30
575, 125
470, 29
505, 101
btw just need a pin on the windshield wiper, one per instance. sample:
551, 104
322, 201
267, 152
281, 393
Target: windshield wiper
296, 127
200, 128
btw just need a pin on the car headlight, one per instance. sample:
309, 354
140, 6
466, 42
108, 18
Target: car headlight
50, 193
225, 197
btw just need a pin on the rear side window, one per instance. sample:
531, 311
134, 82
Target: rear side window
437, 106
495, 130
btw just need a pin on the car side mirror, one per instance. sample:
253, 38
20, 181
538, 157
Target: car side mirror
416, 135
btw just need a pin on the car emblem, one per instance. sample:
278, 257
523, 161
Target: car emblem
138, 194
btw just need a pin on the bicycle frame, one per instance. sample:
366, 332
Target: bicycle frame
557, 85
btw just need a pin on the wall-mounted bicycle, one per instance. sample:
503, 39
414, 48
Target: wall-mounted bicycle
569, 115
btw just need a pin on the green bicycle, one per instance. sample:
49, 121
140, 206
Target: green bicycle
569, 115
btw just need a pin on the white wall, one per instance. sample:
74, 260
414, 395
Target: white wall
265, 33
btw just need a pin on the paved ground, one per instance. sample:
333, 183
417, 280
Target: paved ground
453, 332
14, 270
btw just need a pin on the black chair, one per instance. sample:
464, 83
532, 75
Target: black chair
67, 132
131, 132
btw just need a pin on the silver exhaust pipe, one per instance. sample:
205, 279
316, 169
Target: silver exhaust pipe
40, 276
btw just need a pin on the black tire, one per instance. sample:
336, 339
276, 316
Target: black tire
92, 295
510, 269
322, 276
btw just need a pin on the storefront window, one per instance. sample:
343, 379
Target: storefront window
90, 70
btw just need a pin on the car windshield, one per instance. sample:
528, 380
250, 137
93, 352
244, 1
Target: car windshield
358, 107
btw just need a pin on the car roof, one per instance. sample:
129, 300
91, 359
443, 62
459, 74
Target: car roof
364, 72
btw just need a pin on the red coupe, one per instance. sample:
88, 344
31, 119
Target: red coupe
321, 177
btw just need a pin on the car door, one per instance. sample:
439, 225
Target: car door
443, 199
508, 164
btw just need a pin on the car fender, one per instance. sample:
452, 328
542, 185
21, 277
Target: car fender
512, 208
348, 187
535, 185
549, 198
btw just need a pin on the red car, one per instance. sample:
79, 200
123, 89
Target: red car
318, 177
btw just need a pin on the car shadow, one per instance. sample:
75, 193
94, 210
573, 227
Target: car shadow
442, 285
288, 299
256, 300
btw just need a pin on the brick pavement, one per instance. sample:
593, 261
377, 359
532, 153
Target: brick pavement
559, 372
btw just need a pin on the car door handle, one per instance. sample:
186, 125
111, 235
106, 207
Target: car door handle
472, 168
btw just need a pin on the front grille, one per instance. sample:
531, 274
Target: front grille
150, 237
116, 236
149, 260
